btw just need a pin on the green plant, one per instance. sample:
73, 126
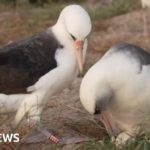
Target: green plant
117, 7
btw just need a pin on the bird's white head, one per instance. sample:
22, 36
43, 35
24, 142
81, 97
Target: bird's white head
77, 25
95, 95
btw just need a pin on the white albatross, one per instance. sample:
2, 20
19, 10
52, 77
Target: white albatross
36, 68
117, 90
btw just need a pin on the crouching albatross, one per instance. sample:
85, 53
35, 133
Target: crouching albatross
34, 69
117, 90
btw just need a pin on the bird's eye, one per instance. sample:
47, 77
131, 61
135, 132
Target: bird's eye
73, 37
97, 111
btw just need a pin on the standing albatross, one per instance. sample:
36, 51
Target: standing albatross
36, 68
117, 90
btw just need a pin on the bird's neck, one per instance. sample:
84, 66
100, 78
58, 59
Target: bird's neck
65, 57
60, 29
66, 61
59, 78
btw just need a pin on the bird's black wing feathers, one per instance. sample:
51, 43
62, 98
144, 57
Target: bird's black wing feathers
133, 51
22, 63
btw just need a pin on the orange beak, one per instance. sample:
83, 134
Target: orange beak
78, 45
104, 118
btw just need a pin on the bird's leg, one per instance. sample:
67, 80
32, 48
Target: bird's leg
41, 134
145, 23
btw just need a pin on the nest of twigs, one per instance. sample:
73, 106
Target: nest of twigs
94, 131
65, 115
91, 129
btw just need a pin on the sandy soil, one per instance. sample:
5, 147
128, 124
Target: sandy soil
66, 116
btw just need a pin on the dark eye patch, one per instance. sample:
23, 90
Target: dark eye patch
97, 111
73, 37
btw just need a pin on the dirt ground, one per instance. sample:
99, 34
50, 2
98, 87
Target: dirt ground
64, 112
66, 116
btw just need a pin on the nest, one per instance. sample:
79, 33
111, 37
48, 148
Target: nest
91, 131
64, 115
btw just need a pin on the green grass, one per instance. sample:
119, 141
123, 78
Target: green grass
107, 145
34, 21
38, 3
54, 8
13, 129
117, 7
7, 119
140, 143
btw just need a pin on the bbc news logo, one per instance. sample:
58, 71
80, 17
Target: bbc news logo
9, 137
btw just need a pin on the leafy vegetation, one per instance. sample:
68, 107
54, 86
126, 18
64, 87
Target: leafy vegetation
54, 7
115, 8
37, 2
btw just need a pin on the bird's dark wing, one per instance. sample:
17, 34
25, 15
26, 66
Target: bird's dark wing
22, 63
141, 56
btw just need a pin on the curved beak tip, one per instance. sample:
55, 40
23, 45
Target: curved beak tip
104, 118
